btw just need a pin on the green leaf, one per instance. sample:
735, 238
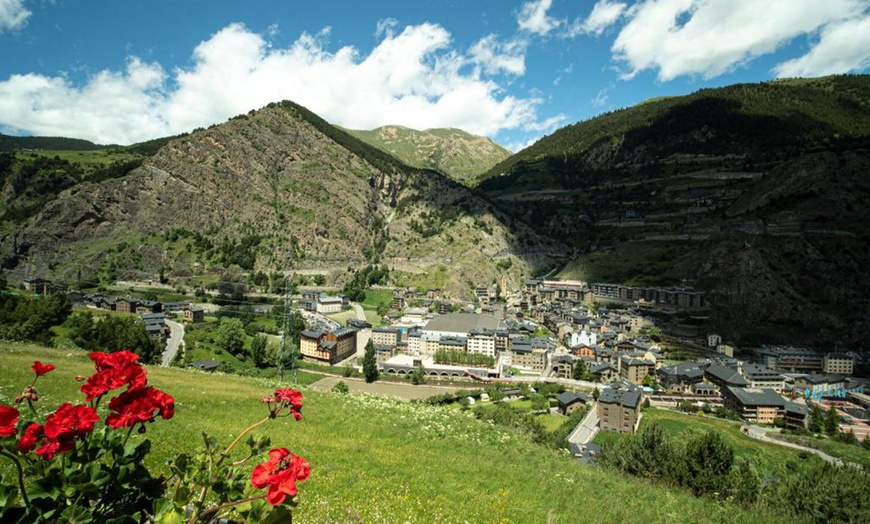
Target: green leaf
166, 512
278, 515
8, 496
76, 515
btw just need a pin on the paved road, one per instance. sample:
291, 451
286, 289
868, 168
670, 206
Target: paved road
176, 337
360, 314
760, 433
587, 428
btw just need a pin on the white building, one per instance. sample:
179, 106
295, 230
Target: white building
482, 342
327, 304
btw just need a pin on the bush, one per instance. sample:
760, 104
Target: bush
341, 388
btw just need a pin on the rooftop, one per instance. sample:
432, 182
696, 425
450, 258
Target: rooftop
461, 323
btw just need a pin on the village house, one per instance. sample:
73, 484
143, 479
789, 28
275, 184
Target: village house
635, 370
194, 315
604, 372
760, 377
327, 304
680, 378
569, 402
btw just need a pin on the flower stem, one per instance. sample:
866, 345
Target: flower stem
242, 434
229, 505
20, 476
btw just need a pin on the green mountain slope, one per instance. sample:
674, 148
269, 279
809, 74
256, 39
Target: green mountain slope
459, 155
277, 189
751, 192
379, 460
11, 143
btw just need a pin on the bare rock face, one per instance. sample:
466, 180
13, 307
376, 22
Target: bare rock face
294, 191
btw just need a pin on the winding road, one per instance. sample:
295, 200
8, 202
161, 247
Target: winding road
176, 337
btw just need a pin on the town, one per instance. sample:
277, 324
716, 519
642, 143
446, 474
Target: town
599, 342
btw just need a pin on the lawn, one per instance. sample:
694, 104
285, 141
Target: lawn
848, 452
377, 460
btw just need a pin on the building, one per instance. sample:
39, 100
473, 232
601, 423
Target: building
563, 366
194, 314
604, 372
155, 326
619, 408
569, 402
794, 360
819, 386
754, 405
760, 377
524, 355
481, 341
327, 304
635, 370
680, 378
398, 301
385, 336
126, 305
724, 376
838, 363
327, 347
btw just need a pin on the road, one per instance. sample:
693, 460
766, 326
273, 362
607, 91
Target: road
760, 433
360, 314
176, 337
587, 428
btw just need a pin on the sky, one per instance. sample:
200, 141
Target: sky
125, 71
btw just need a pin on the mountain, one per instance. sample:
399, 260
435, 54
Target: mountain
459, 155
751, 192
11, 143
276, 189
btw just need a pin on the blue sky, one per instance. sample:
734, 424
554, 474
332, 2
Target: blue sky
124, 71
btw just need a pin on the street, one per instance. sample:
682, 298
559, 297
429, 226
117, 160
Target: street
176, 337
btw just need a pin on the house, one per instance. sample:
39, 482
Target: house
385, 337
205, 365
510, 393
754, 405
796, 415
149, 306
819, 386
563, 366
155, 326
524, 355
36, 285
569, 402
619, 408
604, 372
126, 305
327, 304
194, 314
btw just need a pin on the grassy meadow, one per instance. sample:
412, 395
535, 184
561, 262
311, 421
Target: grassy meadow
378, 460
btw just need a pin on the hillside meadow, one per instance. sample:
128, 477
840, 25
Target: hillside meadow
379, 460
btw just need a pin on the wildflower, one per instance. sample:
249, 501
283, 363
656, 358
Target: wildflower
41, 369
280, 474
285, 397
8, 419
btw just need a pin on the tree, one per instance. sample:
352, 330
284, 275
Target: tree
866, 442
258, 349
579, 370
832, 422
419, 375
595, 394
539, 402
231, 335
370, 363
817, 419
709, 459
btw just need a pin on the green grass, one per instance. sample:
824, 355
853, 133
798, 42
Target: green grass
633, 263
763, 454
376, 297
848, 452
377, 460
342, 316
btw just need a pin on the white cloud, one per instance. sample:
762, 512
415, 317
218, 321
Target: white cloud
712, 37
414, 78
494, 56
603, 15
386, 27
842, 47
13, 15
533, 18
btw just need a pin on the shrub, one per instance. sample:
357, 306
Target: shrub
341, 387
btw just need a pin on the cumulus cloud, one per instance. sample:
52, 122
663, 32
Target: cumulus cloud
712, 37
13, 15
533, 18
842, 47
415, 78
603, 15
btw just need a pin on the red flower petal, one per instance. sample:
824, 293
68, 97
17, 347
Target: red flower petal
41, 369
8, 419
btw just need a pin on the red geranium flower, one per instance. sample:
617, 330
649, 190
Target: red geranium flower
28, 440
139, 405
41, 369
8, 419
114, 370
280, 474
289, 398
63, 426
